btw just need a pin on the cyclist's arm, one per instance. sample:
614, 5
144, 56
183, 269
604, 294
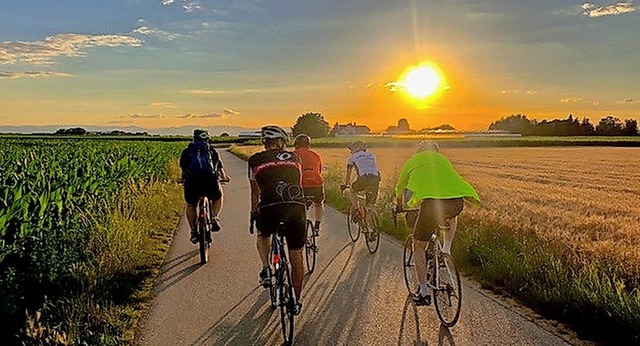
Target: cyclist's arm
184, 163
255, 195
403, 179
347, 179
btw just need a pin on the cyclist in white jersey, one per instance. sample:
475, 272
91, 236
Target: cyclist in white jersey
367, 172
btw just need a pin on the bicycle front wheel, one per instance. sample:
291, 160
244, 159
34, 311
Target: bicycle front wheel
408, 264
373, 230
310, 247
286, 306
447, 293
352, 227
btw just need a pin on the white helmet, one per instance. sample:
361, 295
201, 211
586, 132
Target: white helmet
427, 145
274, 132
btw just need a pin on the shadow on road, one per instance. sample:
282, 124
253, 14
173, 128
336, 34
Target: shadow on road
408, 305
177, 261
168, 281
445, 337
229, 330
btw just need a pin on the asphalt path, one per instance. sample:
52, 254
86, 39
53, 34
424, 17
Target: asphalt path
352, 298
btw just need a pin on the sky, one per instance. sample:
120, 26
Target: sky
160, 63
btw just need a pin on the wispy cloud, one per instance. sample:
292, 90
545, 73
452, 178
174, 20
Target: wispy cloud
162, 105
140, 116
592, 11
225, 113
187, 6
32, 74
570, 100
596, 103
625, 101
513, 91
204, 92
69, 45
146, 31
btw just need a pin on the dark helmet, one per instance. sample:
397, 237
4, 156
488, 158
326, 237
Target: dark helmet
200, 134
357, 145
302, 140
273, 132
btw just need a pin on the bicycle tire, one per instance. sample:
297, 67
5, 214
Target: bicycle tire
448, 287
353, 228
372, 237
310, 247
408, 264
203, 245
286, 305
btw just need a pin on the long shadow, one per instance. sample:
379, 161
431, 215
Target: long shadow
229, 331
177, 261
417, 340
445, 337
168, 281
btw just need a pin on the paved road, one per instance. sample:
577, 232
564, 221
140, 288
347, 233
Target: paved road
352, 298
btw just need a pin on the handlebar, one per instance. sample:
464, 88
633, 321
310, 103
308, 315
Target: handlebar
395, 210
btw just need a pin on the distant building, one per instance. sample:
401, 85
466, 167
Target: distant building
402, 128
350, 129
249, 134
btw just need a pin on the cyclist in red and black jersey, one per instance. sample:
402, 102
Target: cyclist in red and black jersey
276, 194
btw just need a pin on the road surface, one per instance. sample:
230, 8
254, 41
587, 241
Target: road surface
352, 298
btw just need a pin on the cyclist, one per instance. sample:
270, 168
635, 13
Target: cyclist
312, 182
276, 194
367, 175
201, 170
428, 180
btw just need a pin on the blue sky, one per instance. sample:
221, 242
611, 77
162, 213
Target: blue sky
168, 63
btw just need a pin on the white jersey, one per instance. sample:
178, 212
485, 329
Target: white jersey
365, 163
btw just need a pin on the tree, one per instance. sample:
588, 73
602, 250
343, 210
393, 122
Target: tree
515, 123
313, 124
403, 125
609, 126
630, 127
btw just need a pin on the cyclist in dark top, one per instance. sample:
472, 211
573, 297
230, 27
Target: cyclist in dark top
276, 194
202, 183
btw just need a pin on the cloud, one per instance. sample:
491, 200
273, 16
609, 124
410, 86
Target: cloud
225, 113
204, 92
596, 103
532, 92
187, 6
513, 91
570, 100
590, 10
162, 105
393, 86
69, 45
32, 74
146, 31
625, 101
230, 112
140, 116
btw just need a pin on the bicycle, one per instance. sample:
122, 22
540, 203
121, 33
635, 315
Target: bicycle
363, 220
203, 225
442, 274
310, 246
281, 292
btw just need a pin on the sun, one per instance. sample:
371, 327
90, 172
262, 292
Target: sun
421, 82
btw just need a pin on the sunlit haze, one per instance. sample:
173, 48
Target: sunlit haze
160, 63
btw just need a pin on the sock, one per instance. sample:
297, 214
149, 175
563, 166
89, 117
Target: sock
424, 290
317, 225
447, 247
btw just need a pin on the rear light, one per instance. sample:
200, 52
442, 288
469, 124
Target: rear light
276, 259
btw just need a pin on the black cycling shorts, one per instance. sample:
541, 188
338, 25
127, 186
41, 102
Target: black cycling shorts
432, 213
193, 189
369, 185
317, 193
269, 217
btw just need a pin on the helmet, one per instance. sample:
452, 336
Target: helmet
273, 132
427, 145
302, 140
201, 134
357, 145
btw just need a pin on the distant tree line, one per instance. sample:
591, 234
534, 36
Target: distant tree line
80, 131
608, 126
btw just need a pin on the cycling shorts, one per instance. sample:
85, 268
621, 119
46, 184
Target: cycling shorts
317, 193
432, 213
269, 217
193, 189
369, 185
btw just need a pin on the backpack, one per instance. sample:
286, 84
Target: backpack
201, 162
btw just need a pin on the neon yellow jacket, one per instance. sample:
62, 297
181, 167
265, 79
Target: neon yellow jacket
429, 174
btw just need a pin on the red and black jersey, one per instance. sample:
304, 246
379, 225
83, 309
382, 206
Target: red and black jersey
278, 174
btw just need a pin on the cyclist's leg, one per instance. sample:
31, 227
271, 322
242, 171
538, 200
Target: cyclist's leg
452, 208
265, 227
214, 193
295, 234
425, 224
191, 199
318, 207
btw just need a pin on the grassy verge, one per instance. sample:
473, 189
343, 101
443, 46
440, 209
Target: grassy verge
557, 282
128, 247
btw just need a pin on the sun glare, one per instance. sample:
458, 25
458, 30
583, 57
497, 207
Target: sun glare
421, 82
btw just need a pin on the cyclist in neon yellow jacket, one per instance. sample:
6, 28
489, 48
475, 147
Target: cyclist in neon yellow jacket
429, 181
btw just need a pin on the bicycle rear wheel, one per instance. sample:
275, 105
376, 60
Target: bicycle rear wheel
352, 227
310, 247
203, 244
286, 305
372, 236
410, 279
447, 293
